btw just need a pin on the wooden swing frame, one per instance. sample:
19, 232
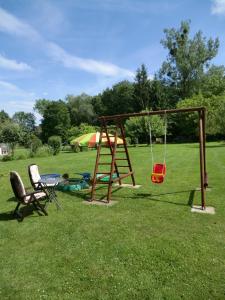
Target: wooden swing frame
118, 121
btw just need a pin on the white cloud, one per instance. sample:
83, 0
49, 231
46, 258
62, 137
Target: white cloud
13, 64
89, 65
12, 25
218, 7
13, 90
8, 86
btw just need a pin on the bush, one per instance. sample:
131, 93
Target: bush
55, 142
75, 147
43, 151
34, 144
66, 148
7, 158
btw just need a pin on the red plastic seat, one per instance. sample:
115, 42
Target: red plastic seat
158, 173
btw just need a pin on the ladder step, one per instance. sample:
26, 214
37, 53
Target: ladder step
120, 158
106, 173
123, 166
101, 182
123, 176
104, 164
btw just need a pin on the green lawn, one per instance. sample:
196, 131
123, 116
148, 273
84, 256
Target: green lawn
147, 246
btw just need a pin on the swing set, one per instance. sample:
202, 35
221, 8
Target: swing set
119, 159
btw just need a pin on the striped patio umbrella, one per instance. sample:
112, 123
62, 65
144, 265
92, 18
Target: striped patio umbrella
91, 139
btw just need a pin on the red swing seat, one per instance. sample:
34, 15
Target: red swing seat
158, 173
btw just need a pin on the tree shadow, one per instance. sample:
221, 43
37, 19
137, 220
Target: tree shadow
221, 145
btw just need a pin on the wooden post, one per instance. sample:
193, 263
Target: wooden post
127, 153
204, 149
202, 152
96, 167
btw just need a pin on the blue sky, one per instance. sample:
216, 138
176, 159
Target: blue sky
51, 48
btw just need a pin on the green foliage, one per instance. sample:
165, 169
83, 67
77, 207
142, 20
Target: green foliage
56, 120
85, 128
118, 100
137, 128
81, 109
44, 151
215, 121
213, 82
75, 147
187, 58
26, 121
98, 105
55, 143
35, 144
11, 135
7, 158
73, 132
142, 87
41, 105
4, 116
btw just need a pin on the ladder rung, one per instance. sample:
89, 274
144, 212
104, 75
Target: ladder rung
107, 173
123, 166
105, 164
121, 177
120, 158
101, 182
123, 172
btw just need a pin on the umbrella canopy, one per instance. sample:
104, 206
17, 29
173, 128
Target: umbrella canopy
91, 139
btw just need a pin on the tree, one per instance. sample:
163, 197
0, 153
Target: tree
215, 106
142, 87
56, 120
41, 105
81, 109
11, 135
119, 99
4, 116
187, 59
98, 106
55, 143
137, 128
26, 121
213, 82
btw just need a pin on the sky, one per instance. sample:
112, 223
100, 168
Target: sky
52, 48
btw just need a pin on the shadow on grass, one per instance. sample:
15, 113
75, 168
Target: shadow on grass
152, 197
208, 146
25, 211
12, 199
86, 194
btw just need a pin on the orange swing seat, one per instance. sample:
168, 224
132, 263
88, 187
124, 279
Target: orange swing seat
158, 173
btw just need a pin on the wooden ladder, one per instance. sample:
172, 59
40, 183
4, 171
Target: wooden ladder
115, 162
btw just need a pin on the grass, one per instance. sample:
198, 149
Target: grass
147, 246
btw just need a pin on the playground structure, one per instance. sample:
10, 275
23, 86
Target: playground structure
116, 163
